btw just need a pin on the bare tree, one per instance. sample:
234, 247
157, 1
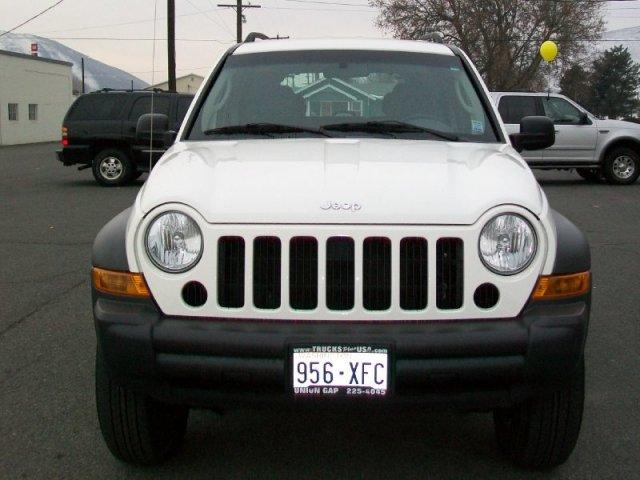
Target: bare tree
502, 37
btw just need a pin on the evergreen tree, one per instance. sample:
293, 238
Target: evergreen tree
616, 79
576, 84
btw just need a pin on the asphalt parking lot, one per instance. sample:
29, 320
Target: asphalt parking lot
49, 216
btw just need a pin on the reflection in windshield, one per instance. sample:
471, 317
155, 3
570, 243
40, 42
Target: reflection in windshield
313, 89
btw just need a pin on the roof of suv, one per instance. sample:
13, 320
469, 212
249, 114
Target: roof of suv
343, 44
528, 94
109, 91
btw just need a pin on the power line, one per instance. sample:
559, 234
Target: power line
215, 9
134, 22
32, 18
321, 2
223, 42
238, 6
143, 39
119, 24
222, 24
185, 69
316, 9
200, 12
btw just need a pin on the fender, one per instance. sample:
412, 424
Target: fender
615, 142
109, 247
572, 248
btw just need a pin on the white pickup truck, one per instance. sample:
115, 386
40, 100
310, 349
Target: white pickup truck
598, 149
342, 224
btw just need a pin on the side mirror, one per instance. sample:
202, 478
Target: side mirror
157, 122
584, 119
169, 138
536, 133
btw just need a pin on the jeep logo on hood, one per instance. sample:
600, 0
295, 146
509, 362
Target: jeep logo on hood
330, 205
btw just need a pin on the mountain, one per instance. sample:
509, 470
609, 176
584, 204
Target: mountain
97, 75
629, 37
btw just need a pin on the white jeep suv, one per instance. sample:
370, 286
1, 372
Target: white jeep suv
598, 149
342, 224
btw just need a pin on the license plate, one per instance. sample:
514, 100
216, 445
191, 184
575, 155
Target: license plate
335, 370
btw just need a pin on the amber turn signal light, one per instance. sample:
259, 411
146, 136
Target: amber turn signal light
561, 286
119, 283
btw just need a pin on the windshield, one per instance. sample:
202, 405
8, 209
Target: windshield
343, 94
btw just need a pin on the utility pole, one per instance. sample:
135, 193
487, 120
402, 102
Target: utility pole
239, 16
171, 43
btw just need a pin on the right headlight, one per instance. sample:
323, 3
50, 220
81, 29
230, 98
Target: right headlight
507, 244
174, 242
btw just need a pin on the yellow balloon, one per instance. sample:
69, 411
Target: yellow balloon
549, 51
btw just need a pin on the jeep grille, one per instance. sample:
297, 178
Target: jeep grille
231, 272
340, 271
303, 273
449, 273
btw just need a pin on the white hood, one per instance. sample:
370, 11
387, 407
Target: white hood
295, 180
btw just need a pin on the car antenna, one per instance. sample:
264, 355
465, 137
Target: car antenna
153, 91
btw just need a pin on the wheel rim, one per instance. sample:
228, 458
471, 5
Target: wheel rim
111, 168
624, 167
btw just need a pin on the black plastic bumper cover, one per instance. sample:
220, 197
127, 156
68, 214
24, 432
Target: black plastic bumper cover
220, 363
74, 154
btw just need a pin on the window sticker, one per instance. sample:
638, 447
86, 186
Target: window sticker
477, 127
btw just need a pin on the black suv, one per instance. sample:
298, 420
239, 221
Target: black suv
99, 132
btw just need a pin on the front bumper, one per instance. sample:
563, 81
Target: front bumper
220, 363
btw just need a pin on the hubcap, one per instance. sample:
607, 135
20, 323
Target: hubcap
111, 168
624, 167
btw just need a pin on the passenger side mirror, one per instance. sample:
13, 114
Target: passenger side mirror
156, 121
536, 133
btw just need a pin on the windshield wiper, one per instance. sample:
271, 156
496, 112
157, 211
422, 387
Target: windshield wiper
390, 127
263, 129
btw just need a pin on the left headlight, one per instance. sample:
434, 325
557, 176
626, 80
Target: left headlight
174, 242
508, 244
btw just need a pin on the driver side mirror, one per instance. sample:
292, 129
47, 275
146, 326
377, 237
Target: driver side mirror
169, 138
584, 119
536, 133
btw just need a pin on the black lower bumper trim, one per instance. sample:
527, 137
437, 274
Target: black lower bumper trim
75, 154
218, 362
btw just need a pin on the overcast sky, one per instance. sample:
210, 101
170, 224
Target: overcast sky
204, 31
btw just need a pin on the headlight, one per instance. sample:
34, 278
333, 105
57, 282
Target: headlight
507, 244
174, 242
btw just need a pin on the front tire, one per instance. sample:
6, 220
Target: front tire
112, 167
622, 166
136, 428
541, 432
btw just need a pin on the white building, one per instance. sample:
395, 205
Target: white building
185, 84
35, 94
